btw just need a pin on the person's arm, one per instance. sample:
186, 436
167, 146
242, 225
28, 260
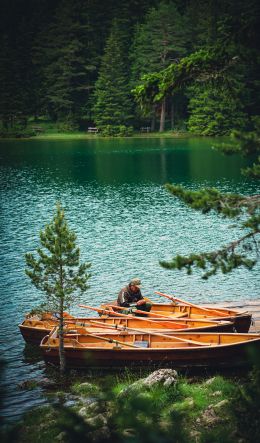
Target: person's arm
141, 301
122, 299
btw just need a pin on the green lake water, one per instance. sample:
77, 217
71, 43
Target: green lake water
125, 222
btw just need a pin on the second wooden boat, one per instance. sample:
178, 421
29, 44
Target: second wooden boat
126, 349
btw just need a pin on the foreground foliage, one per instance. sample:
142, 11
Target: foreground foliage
202, 410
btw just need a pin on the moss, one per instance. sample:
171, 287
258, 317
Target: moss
85, 389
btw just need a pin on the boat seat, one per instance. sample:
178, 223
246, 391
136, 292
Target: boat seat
141, 343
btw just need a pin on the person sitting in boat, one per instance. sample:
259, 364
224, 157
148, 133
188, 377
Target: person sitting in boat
131, 295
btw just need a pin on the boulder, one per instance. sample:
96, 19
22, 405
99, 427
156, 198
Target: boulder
92, 407
216, 394
46, 383
98, 421
163, 377
166, 377
87, 389
210, 381
220, 405
209, 417
61, 437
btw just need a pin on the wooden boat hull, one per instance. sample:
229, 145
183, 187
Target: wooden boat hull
233, 354
34, 331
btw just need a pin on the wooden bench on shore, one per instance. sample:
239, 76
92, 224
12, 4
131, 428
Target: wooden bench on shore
145, 129
93, 130
38, 129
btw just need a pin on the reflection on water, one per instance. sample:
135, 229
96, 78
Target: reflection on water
31, 354
125, 222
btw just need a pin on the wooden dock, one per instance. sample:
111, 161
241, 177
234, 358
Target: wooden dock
252, 306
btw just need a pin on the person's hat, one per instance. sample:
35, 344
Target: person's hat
136, 282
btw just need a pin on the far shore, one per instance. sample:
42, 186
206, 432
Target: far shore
86, 136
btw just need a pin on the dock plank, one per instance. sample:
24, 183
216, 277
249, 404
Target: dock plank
252, 306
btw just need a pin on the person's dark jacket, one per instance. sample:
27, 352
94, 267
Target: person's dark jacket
126, 296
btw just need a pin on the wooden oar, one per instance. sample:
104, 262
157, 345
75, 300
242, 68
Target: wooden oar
140, 331
110, 340
191, 304
149, 314
165, 323
110, 312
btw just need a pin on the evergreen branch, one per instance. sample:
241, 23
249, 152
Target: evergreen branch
224, 259
246, 144
205, 200
205, 64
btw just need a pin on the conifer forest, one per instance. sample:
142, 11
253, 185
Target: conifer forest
119, 65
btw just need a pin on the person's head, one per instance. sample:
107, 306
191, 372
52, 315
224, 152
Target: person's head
135, 284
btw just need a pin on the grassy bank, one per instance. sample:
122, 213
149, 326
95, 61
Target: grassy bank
46, 130
87, 136
124, 409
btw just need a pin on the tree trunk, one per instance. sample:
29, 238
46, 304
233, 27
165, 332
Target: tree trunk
172, 115
162, 118
153, 119
61, 341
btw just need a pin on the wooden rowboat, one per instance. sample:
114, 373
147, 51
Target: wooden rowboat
184, 349
241, 319
34, 328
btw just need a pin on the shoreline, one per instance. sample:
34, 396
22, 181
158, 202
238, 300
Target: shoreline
85, 136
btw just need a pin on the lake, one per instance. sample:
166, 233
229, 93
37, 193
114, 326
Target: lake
114, 197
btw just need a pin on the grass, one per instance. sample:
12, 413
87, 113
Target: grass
55, 131
154, 414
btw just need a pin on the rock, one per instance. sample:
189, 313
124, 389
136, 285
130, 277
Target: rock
210, 381
98, 421
46, 383
83, 412
130, 432
216, 394
189, 402
61, 437
209, 417
86, 389
166, 377
220, 405
92, 407
195, 436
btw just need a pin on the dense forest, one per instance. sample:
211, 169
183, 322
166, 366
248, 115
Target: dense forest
78, 64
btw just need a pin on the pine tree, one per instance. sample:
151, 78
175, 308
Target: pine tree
113, 105
56, 270
158, 42
215, 110
66, 61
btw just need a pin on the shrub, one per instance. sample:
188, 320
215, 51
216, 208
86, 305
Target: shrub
116, 131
